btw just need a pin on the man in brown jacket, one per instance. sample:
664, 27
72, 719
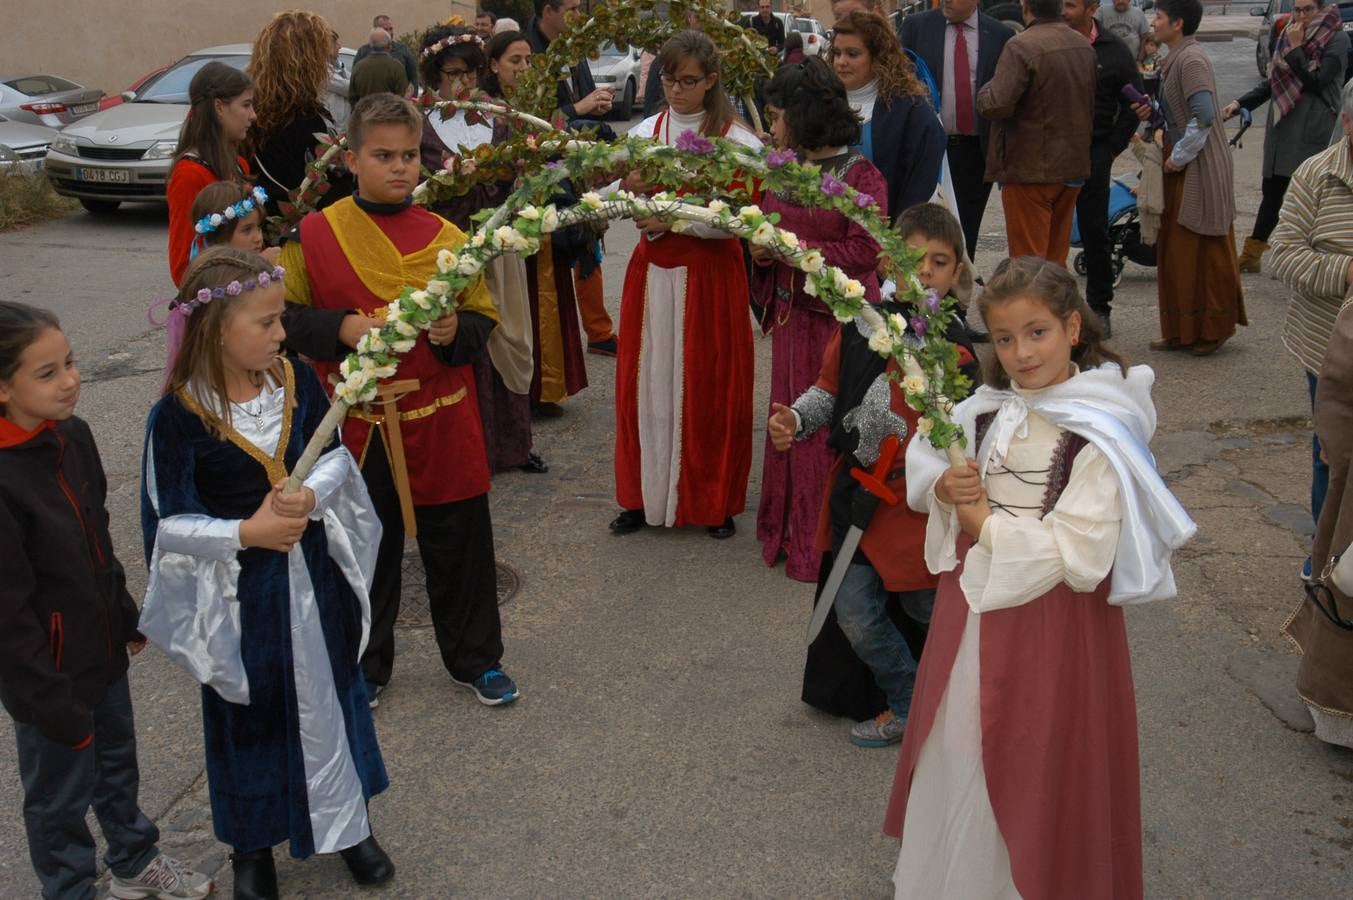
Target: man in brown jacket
1041, 103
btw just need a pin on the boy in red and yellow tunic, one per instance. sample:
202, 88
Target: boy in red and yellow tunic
358, 254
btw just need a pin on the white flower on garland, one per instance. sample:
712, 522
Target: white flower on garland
764, 235
750, 213
914, 384
469, 265
502, 238
840, 280
592, 200
406, 328
881, 341
812, 262
853, 290
788, 238
217, 220
924, 426
438, 288
477, 240
529, 213
549, 220
716, 206
422, 299
371, 342
403, 346
898, 323
446, 260
680, 225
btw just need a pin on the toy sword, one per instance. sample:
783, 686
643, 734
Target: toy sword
874, 490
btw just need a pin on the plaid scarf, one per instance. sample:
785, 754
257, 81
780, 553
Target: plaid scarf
1286, 86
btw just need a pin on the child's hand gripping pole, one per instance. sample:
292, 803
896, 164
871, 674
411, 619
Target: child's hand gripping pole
862, 508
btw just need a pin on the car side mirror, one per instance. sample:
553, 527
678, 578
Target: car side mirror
128, 96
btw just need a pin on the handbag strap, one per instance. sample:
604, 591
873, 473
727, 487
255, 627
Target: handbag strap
1328, 605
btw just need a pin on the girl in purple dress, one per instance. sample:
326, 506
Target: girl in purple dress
809, 113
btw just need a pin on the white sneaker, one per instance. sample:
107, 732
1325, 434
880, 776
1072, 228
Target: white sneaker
165, 877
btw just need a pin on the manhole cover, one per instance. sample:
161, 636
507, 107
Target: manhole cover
413, 603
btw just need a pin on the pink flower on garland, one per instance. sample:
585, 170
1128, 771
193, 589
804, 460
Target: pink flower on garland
831, 186
690, 142
777, 158
864, 201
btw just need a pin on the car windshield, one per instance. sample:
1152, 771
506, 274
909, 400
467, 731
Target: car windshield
37, 85
609, 49
172, 86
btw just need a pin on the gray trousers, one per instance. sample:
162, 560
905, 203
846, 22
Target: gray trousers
60, 785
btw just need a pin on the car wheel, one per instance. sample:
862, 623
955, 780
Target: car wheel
1078, 263
626, 108
100, 207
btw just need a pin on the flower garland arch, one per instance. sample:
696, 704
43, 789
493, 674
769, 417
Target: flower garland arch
703, 167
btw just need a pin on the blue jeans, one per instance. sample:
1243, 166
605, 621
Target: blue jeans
861, 610
1320, 470
60, 784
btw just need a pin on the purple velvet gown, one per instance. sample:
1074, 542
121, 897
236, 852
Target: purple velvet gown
792, 483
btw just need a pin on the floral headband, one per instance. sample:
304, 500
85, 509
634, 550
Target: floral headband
207, 224
450, 41
234, 289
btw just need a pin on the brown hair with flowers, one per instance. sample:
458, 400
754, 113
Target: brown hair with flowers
198, 360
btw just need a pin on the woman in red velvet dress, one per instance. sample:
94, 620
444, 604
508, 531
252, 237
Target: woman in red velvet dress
808, 112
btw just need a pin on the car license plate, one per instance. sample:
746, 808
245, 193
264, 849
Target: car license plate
104, 176
84, 109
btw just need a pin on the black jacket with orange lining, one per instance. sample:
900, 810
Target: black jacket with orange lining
65, 614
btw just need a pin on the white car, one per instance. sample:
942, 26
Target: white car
23, 146
124, 153
814, 35
618, 70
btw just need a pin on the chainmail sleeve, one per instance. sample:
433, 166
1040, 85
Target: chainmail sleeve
814, 409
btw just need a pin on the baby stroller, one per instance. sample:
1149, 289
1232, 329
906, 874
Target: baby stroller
1125, 227
1125, 233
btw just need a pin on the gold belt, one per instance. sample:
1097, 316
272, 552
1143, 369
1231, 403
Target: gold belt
410, 415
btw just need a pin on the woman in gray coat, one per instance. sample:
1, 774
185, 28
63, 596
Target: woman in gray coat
1302, 92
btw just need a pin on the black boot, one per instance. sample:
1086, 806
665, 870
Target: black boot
255, 875
368, 863
629, 521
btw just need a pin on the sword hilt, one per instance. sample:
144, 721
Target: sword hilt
875, 481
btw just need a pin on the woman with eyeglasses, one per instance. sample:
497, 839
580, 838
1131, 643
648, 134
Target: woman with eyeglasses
452, 61
1302, 92
683, 394
902, 134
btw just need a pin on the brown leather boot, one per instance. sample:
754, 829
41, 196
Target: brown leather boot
1251, 255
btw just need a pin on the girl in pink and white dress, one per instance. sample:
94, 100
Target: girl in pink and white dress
1018, 775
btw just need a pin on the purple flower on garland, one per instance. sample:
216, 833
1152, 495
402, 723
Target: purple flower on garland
864, 201
918, 326
556, 165
932, 301
832, 187
690, 142
777, 158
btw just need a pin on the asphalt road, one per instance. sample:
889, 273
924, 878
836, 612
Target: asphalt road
660, 748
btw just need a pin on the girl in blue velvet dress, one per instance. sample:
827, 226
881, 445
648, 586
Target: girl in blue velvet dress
260, 594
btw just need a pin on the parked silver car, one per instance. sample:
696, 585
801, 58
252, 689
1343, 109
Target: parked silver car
46, 99
22, 145
123, 154
618, 70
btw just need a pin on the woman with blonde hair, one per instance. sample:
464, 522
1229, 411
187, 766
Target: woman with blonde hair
290, 68
902, 134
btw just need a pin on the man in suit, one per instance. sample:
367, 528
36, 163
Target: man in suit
959, 38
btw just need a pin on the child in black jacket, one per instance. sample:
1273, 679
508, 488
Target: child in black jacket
66, 624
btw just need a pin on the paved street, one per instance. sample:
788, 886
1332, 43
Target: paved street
660, 748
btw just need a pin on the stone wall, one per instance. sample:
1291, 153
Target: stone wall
109, 46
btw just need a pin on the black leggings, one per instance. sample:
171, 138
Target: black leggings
1274, 189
